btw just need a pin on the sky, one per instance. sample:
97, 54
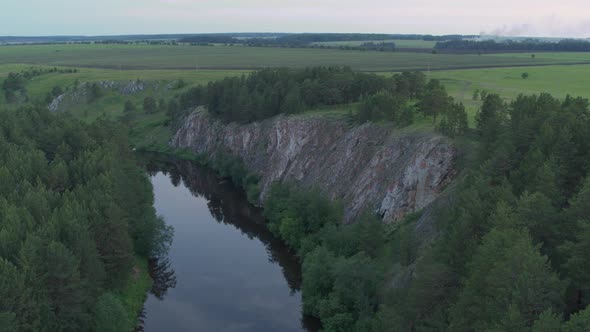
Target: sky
543, 18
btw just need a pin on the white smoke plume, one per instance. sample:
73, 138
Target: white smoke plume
552, 26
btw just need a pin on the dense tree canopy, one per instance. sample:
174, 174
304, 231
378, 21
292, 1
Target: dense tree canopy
74, 210
340, 273
513, 254
565, 45
269, 92
514, 249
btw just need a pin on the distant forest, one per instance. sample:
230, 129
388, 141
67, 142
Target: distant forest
252, 39
372, 41
565, 45
306, 39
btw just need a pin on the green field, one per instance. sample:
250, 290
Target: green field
400, 43
40, 85
126, 57
556, 80
569, 56
169, 63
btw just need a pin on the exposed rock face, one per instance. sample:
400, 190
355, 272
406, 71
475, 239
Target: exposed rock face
368, 166
81, 93
55, 103
126, 88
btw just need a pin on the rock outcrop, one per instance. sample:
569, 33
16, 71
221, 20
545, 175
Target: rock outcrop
366, 166
81, 93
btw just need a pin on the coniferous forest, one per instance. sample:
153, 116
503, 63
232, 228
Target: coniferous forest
75, 211
512, 246
288, 166
513, 254
513, 250
269, 92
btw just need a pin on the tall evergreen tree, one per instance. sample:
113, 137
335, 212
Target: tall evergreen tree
493, 286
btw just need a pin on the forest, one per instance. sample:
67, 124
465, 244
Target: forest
564, 45
75, 211
306, 39
269, 92
521, 207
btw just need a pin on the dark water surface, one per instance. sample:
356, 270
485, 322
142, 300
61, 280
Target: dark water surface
224, 270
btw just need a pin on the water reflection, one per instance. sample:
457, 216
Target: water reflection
163, 276
237, 297
228, 205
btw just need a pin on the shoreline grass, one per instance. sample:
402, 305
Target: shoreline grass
135, 293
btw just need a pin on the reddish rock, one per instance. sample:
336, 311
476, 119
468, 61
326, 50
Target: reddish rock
367, 166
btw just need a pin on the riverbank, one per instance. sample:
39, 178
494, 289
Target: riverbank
330, 251
135, 292
225, 270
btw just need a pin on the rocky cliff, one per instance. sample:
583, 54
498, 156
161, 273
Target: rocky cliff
367, 166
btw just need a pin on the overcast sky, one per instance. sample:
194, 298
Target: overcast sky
565, 18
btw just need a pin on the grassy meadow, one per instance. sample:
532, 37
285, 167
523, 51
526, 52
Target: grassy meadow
40, 85
508, 82
202, 64
126, 57
570, 56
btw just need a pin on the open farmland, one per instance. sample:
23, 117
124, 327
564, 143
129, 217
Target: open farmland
568, 56
125, 57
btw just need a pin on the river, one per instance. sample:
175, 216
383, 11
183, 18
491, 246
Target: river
224, 271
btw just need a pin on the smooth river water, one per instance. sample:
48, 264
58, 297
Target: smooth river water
224, 271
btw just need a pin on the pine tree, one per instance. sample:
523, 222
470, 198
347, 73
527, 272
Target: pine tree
577, 265
540, 217
110, 315
578, 322
492, 285
14, 305
435, 100
454, 121
292, 103
58, 176
129, 107
65, 288
150, 105
491, 117
547, 322
113, 243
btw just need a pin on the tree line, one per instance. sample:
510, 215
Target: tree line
14, 86
307, 39
564, 45
74, 211
269, 92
